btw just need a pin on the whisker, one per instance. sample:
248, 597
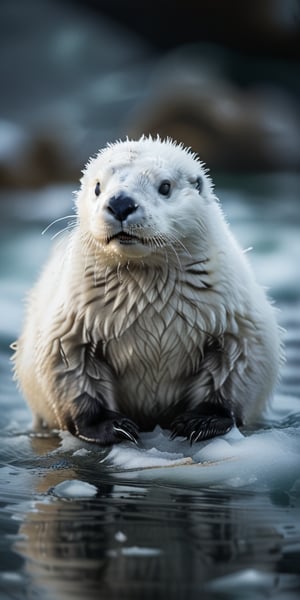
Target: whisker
177, 256
178, 241
68, 228
162, 240
57, 221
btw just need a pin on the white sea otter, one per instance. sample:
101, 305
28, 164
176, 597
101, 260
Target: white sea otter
148, 312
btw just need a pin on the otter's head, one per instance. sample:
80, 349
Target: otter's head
143, 198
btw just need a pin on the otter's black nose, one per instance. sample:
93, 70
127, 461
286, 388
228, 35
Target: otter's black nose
121, 206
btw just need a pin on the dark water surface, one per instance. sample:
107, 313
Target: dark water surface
116, 534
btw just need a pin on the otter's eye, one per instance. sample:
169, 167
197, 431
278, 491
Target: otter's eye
97, 189
199, 184
164, 188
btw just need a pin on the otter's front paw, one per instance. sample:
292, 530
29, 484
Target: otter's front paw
197, 427
113, 428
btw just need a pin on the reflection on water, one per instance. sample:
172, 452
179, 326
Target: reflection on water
138, 538
132, 540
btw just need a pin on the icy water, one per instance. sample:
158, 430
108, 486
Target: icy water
220, 520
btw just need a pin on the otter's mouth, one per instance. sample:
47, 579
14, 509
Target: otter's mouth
125, 238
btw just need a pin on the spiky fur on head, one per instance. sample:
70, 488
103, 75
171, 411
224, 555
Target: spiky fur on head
136, 168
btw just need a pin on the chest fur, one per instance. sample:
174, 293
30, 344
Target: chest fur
153, 327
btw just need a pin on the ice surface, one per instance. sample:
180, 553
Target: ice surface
248, 579
74, 488
81, 452
153, 452
120, 537
263, 459
138, 551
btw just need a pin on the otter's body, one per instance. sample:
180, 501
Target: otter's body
148, 312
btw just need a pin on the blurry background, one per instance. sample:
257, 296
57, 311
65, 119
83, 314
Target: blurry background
219, 75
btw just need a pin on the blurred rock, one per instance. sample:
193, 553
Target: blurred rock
231, 128
73, 79
28, 160
67, 79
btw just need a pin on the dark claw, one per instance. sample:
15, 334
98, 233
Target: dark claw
127, 429
92, 422
198, 427
105, 429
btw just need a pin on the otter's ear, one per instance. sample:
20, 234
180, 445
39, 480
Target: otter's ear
199, 184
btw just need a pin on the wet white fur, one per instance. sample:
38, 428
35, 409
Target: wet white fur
180, 314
